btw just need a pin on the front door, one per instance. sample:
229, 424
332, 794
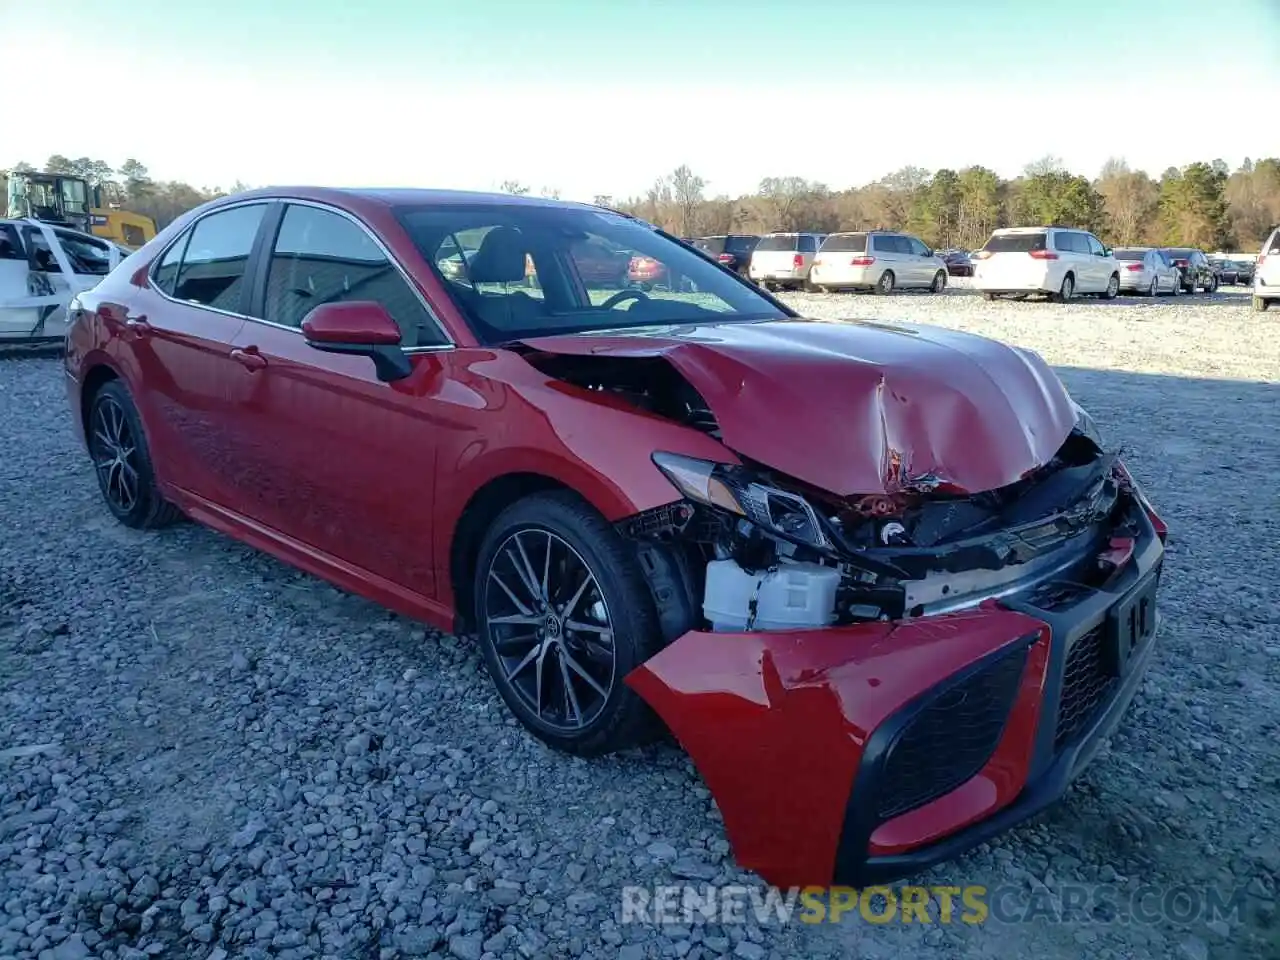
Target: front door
331, 456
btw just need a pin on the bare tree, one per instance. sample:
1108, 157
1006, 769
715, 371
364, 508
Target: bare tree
686, 190
514, 187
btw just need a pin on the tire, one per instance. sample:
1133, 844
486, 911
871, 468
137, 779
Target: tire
1260, 305
122, 461
1067, 291
617, 602
1212, 287
1154, 287
1176, 290
989, 297
939, 282
884, 286
1113, 288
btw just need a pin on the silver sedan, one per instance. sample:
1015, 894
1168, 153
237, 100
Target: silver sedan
1147, 270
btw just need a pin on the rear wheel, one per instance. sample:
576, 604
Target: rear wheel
884, 285
1154, 287
1067, 290
1259, 304
989, 297
1212, 286
122, 462
563, 615
939, 282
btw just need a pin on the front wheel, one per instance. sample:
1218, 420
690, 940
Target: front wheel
1153, 288
1113, 288
1259, 304
122, 461
939, 282
1212, 286
563, 615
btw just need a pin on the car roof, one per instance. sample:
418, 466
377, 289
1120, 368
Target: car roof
400, 196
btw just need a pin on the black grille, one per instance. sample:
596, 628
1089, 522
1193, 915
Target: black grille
1058, 594
1086, 685
951, 738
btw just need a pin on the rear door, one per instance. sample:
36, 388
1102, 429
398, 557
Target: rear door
331, 455
179, 332
884, 247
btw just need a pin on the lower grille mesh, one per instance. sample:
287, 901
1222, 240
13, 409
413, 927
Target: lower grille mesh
1086, 685
951, 738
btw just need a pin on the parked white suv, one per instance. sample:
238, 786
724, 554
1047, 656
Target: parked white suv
1057, 261
877, 260
783, 259
1266, 273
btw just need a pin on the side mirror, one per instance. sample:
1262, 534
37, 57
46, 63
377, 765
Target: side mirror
361, 328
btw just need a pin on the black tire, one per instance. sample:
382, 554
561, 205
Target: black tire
622, 720
1113, 288
1154, 287
1212, 286
1067, 291
989, 297
939, 282
121, 459
1260, 304
884, 286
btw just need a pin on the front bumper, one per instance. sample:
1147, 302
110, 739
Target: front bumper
819, 746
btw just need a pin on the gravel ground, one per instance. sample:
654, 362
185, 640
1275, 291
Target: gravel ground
204, 753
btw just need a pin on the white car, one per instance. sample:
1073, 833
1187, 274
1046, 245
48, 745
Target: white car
42, 266
783, 259
878, 260
1058, 261
1147, 270
1266, 273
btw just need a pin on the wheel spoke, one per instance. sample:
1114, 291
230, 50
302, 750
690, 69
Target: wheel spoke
571, 697
605, 631
528, 619
541, 660
524, 569
577, 668
546, 571
568, 607
528, 659
520, 605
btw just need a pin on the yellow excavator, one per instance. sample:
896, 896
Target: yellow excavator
69, 200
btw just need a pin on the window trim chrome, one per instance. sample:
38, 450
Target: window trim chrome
448, 344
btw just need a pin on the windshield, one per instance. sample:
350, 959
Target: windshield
1015, 242
545, 270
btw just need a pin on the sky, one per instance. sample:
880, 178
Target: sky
603, 96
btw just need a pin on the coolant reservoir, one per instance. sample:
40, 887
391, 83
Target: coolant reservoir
795, 596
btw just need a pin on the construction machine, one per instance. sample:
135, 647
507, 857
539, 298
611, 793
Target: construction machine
69, 201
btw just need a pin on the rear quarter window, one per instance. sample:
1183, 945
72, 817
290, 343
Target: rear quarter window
1015, 243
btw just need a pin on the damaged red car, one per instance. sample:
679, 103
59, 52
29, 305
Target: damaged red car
885, 583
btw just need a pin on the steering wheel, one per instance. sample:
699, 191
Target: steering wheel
621, 295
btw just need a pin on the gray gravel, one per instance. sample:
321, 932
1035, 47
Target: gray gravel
205, 753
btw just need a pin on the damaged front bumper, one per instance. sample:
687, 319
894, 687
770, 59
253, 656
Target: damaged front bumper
863, 753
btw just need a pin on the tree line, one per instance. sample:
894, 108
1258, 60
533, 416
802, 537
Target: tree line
1203, 204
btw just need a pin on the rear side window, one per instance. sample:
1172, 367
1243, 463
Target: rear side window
10, 245
845, 243
711, 244
808, 244
1070, 242
781, 241
1131, 254
216, 256
322, 257
1016, 243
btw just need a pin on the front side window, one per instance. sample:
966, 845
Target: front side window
216, 257
1095, 246
918, 249
538, 270
320, 256
88, 255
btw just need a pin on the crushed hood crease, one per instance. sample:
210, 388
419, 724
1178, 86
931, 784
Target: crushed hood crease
858, 407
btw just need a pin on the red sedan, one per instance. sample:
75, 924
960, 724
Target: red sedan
883, 582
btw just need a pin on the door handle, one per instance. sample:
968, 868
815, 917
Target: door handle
249, 358
138, 325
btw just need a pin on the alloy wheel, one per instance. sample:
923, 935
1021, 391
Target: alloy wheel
550, 628
114, 452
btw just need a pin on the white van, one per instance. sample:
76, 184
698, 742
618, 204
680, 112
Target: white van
1266, 273
1057, 261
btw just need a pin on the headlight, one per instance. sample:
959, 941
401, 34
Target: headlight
779, 512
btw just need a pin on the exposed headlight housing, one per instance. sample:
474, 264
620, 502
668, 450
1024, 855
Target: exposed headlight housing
778, 512
1085, 424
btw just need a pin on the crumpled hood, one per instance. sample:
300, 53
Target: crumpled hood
859, 407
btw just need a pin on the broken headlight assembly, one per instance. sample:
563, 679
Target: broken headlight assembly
780, 513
